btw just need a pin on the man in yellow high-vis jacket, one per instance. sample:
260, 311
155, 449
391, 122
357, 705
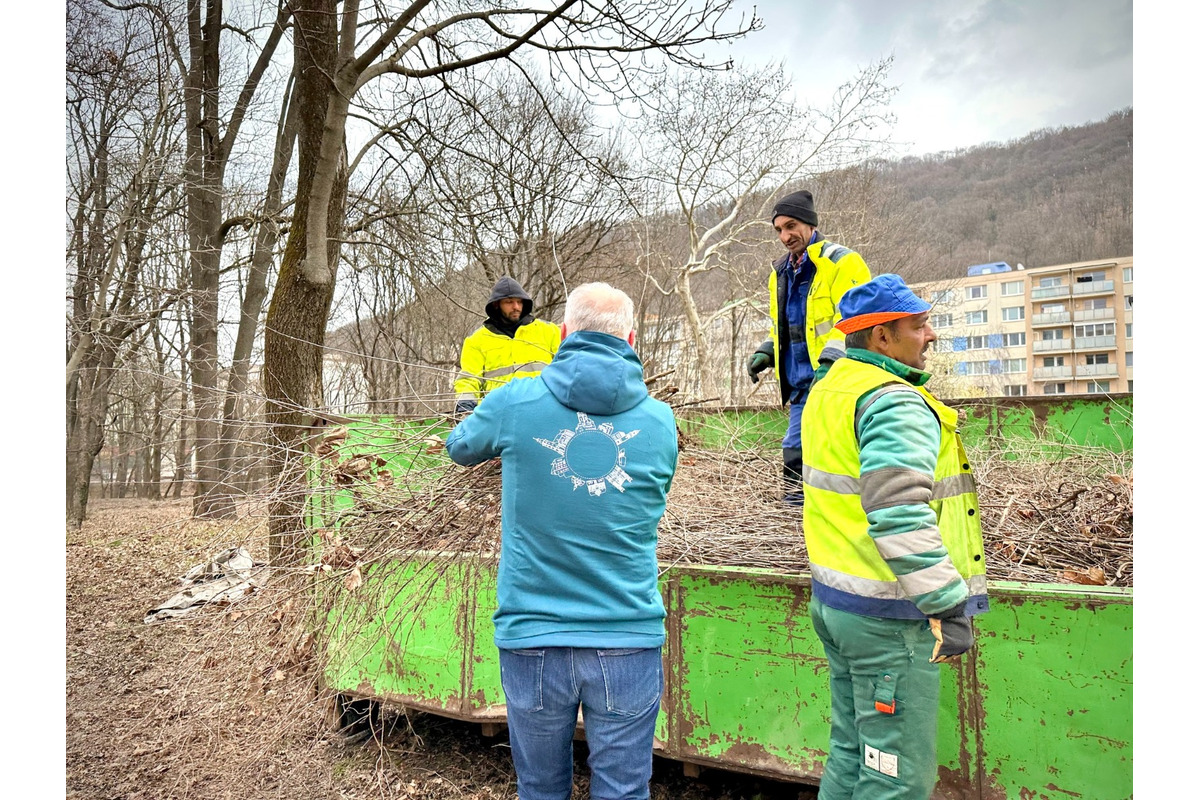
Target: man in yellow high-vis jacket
895, 546
512, 343
805, 286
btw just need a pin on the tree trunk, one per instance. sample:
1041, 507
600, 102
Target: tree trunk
256, 289
295, 333
704, 379
85, 431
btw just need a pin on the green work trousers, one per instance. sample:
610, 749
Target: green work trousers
884, 693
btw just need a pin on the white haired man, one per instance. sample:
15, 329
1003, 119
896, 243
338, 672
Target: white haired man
587, 458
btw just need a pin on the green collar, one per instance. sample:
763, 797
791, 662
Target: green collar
911, 374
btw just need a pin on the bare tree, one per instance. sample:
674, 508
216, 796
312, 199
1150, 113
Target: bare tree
716, 149
121, 165
336, 55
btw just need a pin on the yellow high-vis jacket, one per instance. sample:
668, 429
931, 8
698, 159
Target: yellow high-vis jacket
492, 359
837, 269
895, 542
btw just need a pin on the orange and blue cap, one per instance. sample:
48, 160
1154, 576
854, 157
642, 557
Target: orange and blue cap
882, 299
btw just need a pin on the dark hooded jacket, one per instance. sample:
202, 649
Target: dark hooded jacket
496, 322
499, 350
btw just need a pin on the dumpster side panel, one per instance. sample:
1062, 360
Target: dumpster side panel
482, 692
1055, 676
400, 636
752, 677
1040, 709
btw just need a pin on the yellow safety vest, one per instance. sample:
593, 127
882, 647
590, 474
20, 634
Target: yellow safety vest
837, 269
491, 359
841, 552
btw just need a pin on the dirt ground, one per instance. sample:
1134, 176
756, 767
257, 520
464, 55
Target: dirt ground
223, 704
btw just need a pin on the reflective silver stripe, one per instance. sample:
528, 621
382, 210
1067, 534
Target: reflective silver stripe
884, 590
929, 579
963, 483
887, 388
528, 366
824, 328
834, 251
863, 587
830, 482
894, 486
467, 376
833, 350
458, 398
909, 544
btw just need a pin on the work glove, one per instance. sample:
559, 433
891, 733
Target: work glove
952, 635
761, 359
464, 407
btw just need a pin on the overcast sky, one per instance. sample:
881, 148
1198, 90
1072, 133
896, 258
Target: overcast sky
968, 71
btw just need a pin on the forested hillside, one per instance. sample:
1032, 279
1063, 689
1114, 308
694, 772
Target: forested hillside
1052, 197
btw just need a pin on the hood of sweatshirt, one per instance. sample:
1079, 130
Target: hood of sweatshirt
596, 373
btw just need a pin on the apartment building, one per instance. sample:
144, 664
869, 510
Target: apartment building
1065, 329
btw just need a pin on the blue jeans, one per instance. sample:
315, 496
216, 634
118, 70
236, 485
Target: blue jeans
793, 461
619, 690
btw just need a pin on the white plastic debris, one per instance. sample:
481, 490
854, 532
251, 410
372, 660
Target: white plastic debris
229, 577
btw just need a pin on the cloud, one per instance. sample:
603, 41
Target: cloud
968, 72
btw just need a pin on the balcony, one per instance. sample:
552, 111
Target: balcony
1051, 373
1095, 342
1053, 318
1096, 314
1096, 371
1048, 292
1088, 288
1051, 345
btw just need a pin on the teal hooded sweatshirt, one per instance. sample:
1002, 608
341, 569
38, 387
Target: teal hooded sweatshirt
587, 458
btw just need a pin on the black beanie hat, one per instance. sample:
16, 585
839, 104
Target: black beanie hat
797, 205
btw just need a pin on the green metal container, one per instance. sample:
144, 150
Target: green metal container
1040, 709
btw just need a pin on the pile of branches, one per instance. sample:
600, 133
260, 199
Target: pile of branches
1064, 517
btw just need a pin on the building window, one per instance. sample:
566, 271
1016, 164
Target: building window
1014, 365
1055, 388
976, 292
981, 342
1089, 277
1053, 308
1095, 302
1012, 313
977, 317
1130, 382
979, 367
1129, 302
1019, 390
943, 345
1129, 359
1096, 358
1096, 387
1052, 334
1010, 288
1099, 329
1014, 339
941, 320
1127, 274
941, 296
1053, 361
1128, 330
1046, 283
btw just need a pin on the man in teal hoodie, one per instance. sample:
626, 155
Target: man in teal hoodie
587, 458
